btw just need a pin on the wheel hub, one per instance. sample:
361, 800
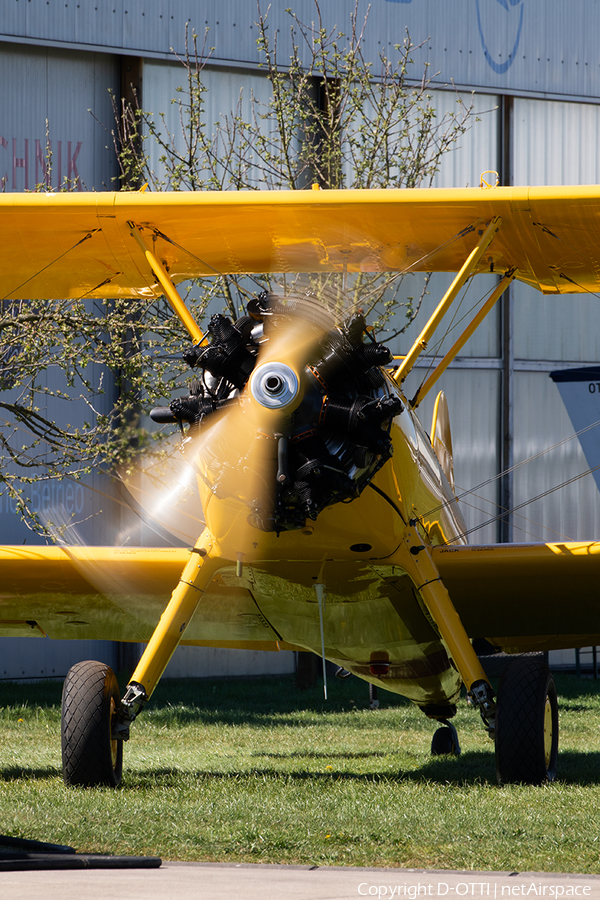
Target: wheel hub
548, 732
114, 747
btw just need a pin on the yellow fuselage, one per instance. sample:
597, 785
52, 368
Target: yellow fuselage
372, 612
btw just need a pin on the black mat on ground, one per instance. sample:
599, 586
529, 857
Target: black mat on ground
20, 854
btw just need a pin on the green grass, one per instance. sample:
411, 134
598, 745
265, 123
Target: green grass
258, 771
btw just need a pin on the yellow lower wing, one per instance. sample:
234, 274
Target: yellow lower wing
113, 593
526, 597
521, 597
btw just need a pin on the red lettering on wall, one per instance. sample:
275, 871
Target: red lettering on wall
42, 158
20, 163
72, 173
48, 165
4, 179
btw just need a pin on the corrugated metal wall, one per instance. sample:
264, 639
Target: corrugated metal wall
542, 46
45, 88
554, 143
474, 404
541, 421
47, 97
477, 150
202, 662
22, 658
228, 93
48, 94
473, 385
58, 87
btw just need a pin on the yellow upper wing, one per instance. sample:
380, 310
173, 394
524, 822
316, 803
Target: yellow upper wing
80, 244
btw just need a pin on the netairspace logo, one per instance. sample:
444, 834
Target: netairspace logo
471, 889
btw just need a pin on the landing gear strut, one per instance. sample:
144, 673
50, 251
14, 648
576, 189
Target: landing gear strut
95, 721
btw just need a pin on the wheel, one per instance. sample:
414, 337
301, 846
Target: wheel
526, 724
89, 701
445, 742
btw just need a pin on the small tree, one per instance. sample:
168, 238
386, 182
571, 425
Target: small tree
333, 118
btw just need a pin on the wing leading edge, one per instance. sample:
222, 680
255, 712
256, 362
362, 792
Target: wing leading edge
119, 594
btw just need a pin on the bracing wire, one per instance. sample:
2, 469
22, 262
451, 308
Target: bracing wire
204, 263
449, 328
577, 250
541, 496
519, 527
496, 477
427, 256
513, 468
423, 259
53, 262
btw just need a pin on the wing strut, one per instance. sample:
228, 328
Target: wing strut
171, 292
467, 270
462, 340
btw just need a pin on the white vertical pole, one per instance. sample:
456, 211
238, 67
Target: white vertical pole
320, 589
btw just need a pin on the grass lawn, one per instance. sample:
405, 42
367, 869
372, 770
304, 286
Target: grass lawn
258, 771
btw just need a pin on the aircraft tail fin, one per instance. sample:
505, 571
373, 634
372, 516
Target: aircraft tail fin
580, 392
441, 437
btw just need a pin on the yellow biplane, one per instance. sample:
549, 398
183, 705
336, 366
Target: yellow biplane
330, 519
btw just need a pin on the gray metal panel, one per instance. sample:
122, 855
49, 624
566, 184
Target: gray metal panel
564, 327
22, 658
40, 85
541, 46
475, 151
224, 89
202, 662
43, 658
541, 420
473, 402
60, 87
556, 143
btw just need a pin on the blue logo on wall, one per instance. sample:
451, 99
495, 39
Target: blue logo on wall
499, 67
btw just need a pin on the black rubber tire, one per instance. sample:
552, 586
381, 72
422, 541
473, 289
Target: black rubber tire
90, 698
526, 724
443, 743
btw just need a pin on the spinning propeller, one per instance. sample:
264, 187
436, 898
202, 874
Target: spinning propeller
291, 413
